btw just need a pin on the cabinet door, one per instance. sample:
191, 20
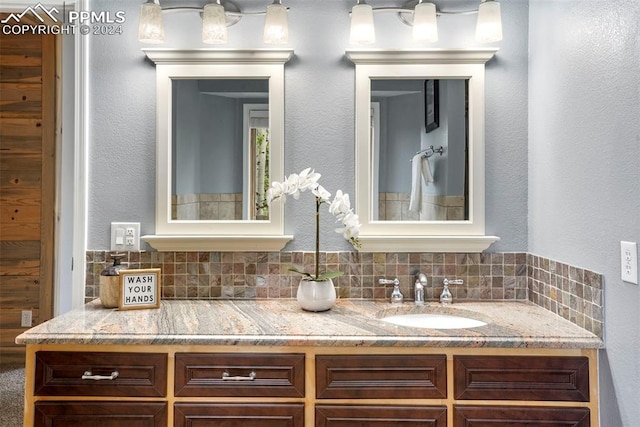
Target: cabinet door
497, 416
541, 378
239, 375
69, 373
238, 415
381, 377
100, 414
383, 416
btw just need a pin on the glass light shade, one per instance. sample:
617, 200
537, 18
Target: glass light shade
425, 25
214, 24
362, 29
276, 27
489, 25
150, 26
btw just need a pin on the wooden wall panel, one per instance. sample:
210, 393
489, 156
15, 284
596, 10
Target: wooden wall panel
28, 117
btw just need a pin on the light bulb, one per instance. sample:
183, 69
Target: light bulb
362, 27
425, 26
214, 24
489, 25
150, 26
276, 27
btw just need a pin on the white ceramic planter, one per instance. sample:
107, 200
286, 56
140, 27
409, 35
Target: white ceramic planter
316, 296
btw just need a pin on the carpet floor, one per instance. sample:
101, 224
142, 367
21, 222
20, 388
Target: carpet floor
11, 395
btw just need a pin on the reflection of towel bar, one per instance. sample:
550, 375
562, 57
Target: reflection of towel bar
428, 152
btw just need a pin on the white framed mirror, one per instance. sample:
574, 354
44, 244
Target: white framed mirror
220, 139
420, 149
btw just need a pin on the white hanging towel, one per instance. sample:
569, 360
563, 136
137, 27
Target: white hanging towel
420, 171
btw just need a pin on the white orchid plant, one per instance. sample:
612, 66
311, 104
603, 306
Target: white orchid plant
340, 207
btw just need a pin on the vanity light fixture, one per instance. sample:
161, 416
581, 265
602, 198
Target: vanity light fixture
214, 24
425, 24
362, 28
422, 17
150, 27
276, 27
216, 17
489, 24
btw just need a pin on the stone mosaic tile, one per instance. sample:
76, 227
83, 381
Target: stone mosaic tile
571, 292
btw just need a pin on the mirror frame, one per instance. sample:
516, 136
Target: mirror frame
218, 235
421, 236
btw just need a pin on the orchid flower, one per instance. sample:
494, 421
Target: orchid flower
340, 207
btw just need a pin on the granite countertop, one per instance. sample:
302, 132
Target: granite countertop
281, 322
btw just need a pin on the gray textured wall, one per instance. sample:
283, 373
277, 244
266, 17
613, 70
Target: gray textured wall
584, 166
319, 103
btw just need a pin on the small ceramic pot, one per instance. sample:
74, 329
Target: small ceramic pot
316, 296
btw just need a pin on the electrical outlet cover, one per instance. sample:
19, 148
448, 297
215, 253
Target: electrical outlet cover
629, 262
125, 236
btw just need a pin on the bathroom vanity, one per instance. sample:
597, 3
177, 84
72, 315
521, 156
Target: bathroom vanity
267, 363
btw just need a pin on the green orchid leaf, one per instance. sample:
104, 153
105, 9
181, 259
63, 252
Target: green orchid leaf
295, 270
329, 275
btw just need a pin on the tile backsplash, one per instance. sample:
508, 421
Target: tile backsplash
571, 292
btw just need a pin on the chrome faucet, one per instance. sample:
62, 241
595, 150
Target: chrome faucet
445, 297
396, 295
421, 283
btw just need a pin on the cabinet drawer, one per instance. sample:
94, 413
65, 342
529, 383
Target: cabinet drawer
540, 378
240, 375
381, 377
383, 415
238, 415
60, 373
496, 416
100, 414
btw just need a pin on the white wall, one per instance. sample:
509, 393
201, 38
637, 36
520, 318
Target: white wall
584, 166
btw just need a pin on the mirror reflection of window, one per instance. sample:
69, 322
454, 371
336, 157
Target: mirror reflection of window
402, 126
258, 162
219, 155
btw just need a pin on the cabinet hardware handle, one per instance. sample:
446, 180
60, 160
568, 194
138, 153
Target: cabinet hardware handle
227, 377
89, 376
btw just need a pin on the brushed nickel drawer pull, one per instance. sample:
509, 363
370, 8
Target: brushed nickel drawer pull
227, 377
89, 376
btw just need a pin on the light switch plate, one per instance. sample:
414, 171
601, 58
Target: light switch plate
629, 262
125, 236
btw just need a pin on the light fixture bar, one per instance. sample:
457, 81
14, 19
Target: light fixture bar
175, 9
216, 17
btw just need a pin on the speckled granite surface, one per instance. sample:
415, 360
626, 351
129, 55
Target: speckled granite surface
280, 322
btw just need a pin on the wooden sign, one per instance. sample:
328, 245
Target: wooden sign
139, 289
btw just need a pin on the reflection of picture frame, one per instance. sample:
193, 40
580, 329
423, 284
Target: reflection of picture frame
139, 289
431, 105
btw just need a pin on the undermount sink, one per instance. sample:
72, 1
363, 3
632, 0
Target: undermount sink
433, 321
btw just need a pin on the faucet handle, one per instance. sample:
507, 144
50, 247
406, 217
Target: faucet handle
445, 297
396, 295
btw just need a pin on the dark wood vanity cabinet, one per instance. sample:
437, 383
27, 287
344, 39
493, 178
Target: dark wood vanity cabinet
214, 386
